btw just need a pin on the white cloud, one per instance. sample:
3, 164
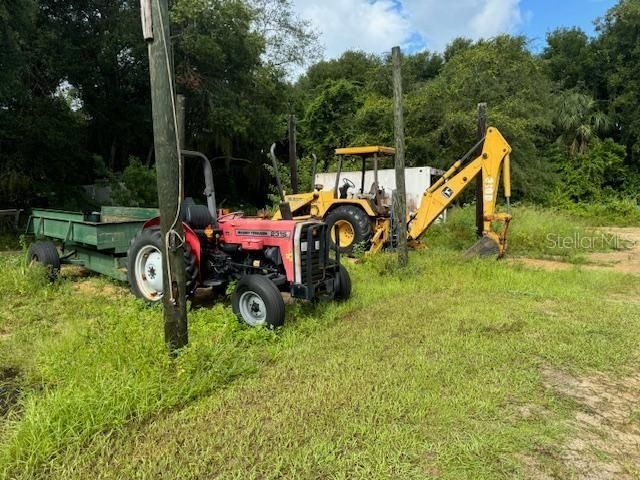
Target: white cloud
377, 25
355, 24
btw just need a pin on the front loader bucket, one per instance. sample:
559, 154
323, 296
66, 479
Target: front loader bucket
485, 247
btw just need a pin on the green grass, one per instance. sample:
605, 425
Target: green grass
93, 361
9, 242
420, 374
614, 212
536, 232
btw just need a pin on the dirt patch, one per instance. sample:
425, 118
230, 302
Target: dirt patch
90, 287
75, 272
624, 260
605, 443
550, 265
534, 469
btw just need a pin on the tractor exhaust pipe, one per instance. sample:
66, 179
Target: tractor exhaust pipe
276, 172
285, 208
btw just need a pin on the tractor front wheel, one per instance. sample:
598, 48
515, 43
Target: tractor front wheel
145, 269
343, 285
354, 227
258, 302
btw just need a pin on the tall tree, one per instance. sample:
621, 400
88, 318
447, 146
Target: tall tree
291, 41
238, 96
578, 121
502, 72
100, 51
329, 118
42, 142
355, 66
16, 24
569, 56
619, 54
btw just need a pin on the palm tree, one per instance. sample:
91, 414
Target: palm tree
579, 121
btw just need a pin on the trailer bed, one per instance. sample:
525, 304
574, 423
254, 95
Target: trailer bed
98, 241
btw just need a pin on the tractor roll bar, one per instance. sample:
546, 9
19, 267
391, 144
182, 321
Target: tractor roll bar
338, 173
210, 191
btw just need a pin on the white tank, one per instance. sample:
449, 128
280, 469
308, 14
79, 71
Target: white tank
417, 180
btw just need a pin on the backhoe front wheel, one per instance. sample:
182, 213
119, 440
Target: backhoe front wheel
258, 302
354, 227
145, 268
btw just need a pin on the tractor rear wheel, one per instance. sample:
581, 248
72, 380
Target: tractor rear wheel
145, 269
258, 302
45, 253
354, 227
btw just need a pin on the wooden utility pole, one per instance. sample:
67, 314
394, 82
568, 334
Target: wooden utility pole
293, 153
400, 206
482, 131
169, 173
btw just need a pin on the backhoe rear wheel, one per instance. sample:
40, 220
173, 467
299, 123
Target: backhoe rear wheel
354, 227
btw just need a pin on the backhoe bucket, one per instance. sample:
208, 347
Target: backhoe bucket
485, 247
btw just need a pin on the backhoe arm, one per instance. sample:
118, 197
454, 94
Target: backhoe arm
493, 161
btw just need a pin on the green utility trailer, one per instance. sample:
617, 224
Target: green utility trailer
97, 241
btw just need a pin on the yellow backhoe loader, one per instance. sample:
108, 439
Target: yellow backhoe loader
355, 214
371, 222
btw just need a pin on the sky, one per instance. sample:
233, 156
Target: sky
377, 25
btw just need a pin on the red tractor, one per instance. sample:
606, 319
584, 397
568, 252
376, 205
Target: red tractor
264, 257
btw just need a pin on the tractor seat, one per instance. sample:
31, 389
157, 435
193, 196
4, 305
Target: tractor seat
196, 216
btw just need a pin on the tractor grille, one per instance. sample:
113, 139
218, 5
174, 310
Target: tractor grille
313, 252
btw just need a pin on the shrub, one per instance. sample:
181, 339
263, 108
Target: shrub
137, 187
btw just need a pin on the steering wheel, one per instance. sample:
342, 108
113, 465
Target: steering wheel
348, 182
239, 213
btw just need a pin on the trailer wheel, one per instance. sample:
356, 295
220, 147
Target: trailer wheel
145, 270
343, 285
45, 253
257, 302
354, 227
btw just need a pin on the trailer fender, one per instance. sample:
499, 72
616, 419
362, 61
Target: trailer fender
189, 235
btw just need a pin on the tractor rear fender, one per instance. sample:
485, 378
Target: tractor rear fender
358, 203
190, 238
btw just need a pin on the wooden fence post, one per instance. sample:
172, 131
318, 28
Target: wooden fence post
401, 197
293, 153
